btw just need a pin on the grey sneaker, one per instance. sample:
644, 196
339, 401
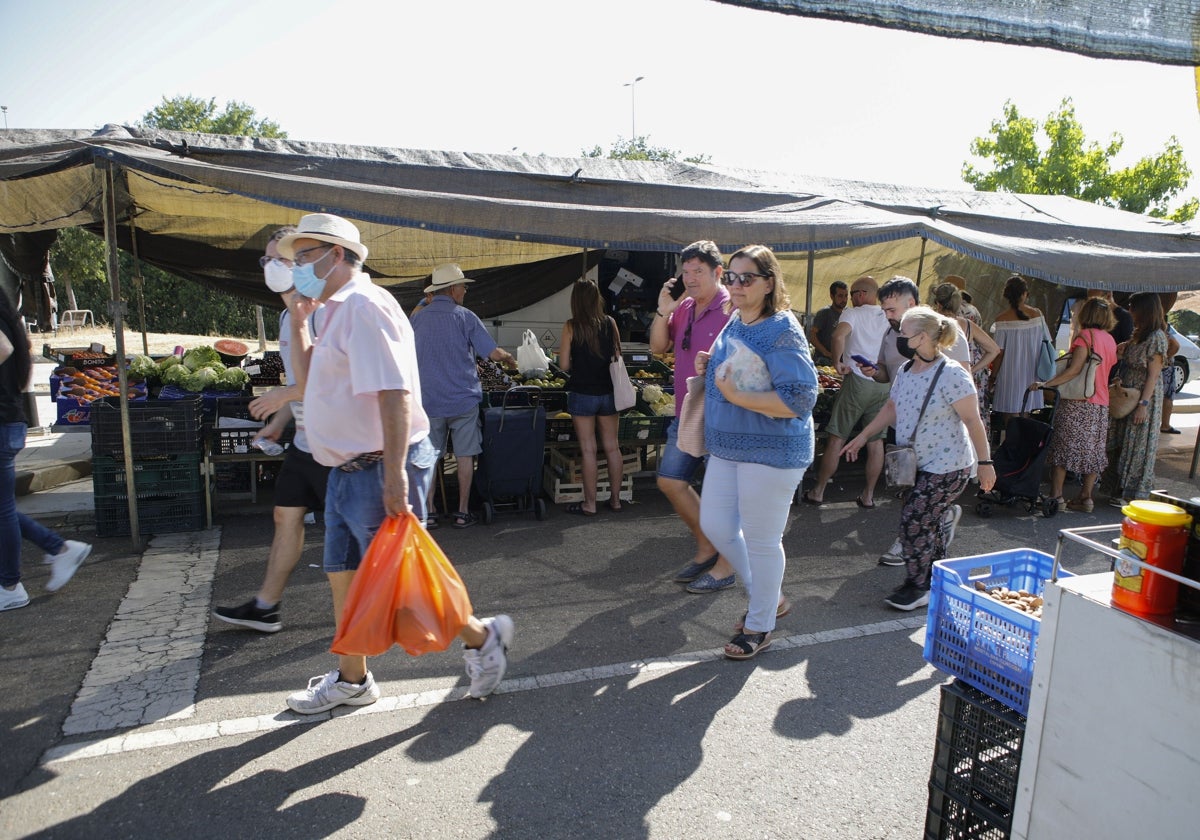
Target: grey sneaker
894, 555
486, 665
13, 599
64, 564
950, 523
328, 692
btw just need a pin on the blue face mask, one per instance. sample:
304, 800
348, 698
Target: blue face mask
305, 279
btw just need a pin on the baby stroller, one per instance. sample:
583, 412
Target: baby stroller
1020, 462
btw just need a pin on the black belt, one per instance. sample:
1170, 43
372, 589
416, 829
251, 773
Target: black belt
361, 462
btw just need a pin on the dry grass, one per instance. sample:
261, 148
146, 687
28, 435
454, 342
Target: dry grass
158, 343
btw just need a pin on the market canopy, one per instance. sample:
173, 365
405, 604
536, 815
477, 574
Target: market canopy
1159, 31
202, 207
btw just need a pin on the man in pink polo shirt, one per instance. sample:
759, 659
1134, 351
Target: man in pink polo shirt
690, 325
363, 415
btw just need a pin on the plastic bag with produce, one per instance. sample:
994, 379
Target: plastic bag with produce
746, 368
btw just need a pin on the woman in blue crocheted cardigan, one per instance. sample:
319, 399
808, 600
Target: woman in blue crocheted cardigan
760, 387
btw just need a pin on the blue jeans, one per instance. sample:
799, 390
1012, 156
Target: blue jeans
15, 525
354, 505
744, 511
673, 462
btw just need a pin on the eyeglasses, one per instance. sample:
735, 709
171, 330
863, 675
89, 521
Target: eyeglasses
264, 261
686, 344
300, 254
744, 279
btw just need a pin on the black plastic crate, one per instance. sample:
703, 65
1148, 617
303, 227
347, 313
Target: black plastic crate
168, 474
976, 761
156, 515
156, 427
560, 430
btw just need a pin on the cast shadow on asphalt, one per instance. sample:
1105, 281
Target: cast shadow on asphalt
607, 752
176, 802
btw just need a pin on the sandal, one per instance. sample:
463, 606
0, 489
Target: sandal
785, 607
463, 519
747, 645
577, 509
807, 498
863, 504
1082, 505
617, 508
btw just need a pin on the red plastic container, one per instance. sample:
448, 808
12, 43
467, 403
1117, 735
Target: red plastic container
1157, 534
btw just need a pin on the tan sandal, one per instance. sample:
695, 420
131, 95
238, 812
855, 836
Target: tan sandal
1081, 505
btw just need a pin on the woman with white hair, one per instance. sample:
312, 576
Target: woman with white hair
932, 405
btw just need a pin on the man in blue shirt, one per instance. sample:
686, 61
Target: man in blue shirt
449, 337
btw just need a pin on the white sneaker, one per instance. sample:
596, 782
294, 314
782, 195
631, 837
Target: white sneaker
486, 665
328, 692
13, 599
64, 564
894, 556
950, 523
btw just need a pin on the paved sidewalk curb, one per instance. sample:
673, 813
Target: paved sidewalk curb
49, 474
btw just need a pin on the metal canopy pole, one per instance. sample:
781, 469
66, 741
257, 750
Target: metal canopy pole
139, 282
116, 309
921, 262
808, 292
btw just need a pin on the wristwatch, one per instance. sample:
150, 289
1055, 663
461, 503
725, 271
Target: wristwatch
1144, 402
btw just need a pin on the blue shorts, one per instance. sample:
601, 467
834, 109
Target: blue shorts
674, 463
354, 505
590, 405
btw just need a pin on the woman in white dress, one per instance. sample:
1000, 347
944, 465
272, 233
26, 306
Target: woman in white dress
1019, 331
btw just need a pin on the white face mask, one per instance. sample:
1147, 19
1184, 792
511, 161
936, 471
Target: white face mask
278, 277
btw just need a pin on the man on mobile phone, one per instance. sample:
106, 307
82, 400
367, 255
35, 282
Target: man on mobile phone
300, 485
690, 325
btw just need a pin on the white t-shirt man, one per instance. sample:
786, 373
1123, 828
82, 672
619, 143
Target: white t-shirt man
867, 325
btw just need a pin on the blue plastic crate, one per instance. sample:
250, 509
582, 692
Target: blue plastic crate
974, 637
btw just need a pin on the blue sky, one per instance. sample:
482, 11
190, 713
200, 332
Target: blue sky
749, 88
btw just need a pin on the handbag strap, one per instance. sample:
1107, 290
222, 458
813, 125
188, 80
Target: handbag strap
937, 375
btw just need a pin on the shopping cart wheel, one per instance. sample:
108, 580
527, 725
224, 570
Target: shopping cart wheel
539, 509
983, 509
489, 513
1049, 507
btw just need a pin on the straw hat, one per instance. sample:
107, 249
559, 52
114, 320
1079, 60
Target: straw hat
324, 227
445, 276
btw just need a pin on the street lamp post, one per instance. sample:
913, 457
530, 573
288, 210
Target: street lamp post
633, 107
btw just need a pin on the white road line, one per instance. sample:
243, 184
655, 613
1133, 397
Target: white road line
132, 741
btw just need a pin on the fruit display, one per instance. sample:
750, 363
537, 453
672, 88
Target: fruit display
198, 369
491, 376
828, 378
1018, 599
667, 359
88, 384
548, 381
265, 371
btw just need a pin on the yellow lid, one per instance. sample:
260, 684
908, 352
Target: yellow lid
1157, 513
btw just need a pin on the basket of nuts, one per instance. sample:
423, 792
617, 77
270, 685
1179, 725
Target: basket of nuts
984, 616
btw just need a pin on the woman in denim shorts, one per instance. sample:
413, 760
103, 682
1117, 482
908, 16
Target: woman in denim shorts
589, 342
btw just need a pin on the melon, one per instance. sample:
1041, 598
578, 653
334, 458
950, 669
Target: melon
231, 352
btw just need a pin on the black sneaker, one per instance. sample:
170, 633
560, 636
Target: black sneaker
908, 597
248, 615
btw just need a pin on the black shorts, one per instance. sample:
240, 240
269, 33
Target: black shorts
301, 481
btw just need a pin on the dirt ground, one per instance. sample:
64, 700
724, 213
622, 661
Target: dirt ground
157, 343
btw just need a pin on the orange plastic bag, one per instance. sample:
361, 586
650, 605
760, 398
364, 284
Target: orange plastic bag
405, 592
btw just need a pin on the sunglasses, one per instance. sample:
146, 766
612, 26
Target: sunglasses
744, 279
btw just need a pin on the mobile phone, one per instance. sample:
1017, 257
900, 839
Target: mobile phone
678, 290
863, 360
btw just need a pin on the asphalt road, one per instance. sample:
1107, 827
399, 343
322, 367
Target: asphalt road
618, 718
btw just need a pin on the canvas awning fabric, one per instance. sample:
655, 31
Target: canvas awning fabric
203, 206
1159, 31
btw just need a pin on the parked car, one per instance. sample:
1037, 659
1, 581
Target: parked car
1187, 360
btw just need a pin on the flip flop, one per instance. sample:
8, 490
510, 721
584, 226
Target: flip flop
577, 509
863, 504
1170, 430
809, 500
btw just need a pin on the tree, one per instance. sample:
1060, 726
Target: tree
1074, 166
639, 148
190, 113
173, 304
